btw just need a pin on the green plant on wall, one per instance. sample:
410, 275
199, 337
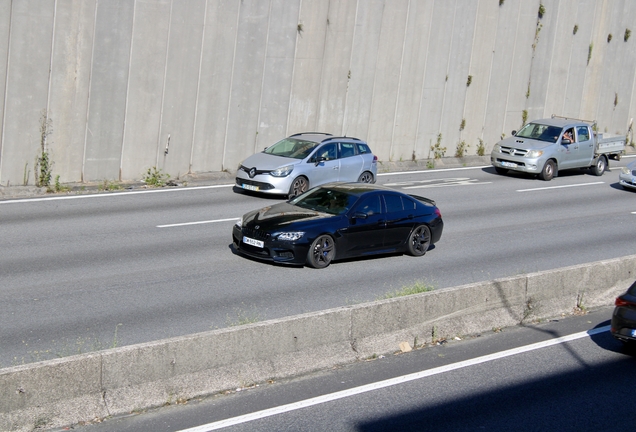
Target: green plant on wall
155, 177
469, 80
589, 52
437, 149
541, 11
462, 125
627, 34
575, 29
481, 147
43, 163
615, 99
524, 117
609, 38
462, 149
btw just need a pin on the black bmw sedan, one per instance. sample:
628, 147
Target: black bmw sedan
336, 221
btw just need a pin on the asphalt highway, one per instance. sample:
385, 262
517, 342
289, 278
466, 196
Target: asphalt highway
90, 272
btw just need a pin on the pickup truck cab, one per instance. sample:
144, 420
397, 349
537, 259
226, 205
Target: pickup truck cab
545, 146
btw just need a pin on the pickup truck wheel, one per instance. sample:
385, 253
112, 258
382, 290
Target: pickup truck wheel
599, 168
501, 171
548, 171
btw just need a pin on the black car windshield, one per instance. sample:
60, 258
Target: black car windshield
325, 200
292, 148
540, 132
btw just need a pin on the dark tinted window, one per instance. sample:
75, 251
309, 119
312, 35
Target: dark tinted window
325, 200
370, 205
393, 203
408, 204
632, 289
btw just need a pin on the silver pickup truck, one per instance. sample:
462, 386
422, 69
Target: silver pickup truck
543, 147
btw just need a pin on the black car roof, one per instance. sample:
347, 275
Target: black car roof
356, 188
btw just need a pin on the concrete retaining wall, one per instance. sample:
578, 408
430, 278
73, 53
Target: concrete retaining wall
119, 82
86, 387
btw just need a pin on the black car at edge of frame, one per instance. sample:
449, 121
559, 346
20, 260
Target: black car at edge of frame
624, 317
337, 221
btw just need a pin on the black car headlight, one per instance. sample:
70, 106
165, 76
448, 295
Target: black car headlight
290, 236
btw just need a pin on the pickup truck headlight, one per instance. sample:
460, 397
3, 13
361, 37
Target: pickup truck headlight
290, 236
282, 172
626, 171
534, 153
497, 148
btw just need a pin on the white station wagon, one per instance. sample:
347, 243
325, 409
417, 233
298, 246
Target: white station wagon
303, 161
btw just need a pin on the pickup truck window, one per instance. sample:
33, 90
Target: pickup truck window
540, 132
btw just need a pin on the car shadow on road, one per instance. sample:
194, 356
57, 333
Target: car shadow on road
334, 263
576, 400
533, 177
584, 392
260, 195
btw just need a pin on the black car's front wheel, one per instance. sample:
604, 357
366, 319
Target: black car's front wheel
419, 240
321, 252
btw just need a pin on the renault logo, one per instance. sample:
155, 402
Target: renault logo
252, 172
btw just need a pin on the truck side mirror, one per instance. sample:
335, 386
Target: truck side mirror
514, 132
565, 141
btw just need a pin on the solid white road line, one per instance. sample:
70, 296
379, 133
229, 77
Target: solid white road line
107, 195
434, 170
559, 187
197, 223
390, 382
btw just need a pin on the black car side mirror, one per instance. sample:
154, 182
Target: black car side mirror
320, 159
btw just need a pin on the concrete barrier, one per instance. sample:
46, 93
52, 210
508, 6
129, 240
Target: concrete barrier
86, 387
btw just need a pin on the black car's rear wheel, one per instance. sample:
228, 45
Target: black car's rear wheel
419, 240
321, 252
298, 186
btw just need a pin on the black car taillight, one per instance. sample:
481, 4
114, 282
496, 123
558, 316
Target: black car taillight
621, 302
438, 213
